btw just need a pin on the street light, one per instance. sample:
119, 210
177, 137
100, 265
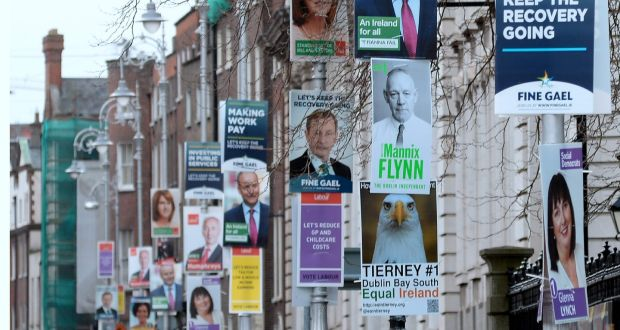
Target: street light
614, 210
151, 18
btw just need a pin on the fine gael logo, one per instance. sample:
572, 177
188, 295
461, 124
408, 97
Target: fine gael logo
545, 80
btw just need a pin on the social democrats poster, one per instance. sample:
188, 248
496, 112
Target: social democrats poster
562, 191
204, 303
402, 29
320, 250
321, 154
246, 276
401, 131
544, 57
399, 272
203, 238
203, 174
319, 31
245, 135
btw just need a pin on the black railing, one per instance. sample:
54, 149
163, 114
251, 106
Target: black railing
603, 278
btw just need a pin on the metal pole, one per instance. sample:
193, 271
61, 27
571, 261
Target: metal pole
242, 78
116, 235
163, 89
318, 307
106, 190
245, 321
203, 72
138, 139
552, 133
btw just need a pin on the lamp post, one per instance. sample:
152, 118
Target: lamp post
152, 20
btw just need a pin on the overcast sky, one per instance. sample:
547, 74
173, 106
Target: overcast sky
84, 24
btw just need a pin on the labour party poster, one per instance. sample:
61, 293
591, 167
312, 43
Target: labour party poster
399, 253
401, 129
321, 153
562, 191
544, 57
245, 135
203, 174
246, 276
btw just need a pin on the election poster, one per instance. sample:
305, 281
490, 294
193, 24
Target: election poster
203, 238
166, 286
320, 251
245, 135
401, 129
121, 299
203, 175
246, 276
165, 219
319, 30
106, 302
544, 57
246, 208
562, 191
204, 304
139, 265
402, 29
399, 253
142, 315
105, 259
321, 153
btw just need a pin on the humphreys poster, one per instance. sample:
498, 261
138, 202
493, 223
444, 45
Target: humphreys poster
139, 264
202, 241
562, 191
105, 259
245, 135
204, 303
246, 276
404, 29
321, 153
399, 253
203, 175
319, 30
544, 57
320, 252
401, 129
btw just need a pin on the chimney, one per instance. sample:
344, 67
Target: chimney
53, 44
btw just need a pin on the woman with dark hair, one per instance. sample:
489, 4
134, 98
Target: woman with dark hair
201, 308
142, 311
162, 208
561, 241
312, 19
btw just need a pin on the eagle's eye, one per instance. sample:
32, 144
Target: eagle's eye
387, 205
410, 206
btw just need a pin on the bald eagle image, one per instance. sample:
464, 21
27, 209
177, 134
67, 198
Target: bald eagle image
399, 233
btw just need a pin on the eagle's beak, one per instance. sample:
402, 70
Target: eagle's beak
399, 215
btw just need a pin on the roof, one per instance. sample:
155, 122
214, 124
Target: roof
82, 97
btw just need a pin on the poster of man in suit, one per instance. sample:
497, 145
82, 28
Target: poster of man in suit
140, 259
321, 155
246, 205
396, 29
166, 288
202, 243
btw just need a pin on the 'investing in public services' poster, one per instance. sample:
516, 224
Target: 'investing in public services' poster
401, 129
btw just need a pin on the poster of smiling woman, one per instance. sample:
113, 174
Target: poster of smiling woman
562, 192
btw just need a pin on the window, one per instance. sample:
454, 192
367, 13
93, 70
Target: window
179, 73
125, 241
198, 104
13, 262
154, 108
221, 51
124, 166
229, 49
155, 166
188, 108
258, 69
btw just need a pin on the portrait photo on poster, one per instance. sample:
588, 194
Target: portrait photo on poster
139, 264
398, 228
396, 29
142, 316
166, 289
401, 130
321, 154
165, 210
203, 238
106, 302
204, 303
246, 208
319, 30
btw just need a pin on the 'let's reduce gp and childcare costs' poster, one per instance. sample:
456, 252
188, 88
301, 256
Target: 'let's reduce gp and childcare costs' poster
544, 58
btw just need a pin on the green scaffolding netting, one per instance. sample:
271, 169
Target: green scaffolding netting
58, 220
